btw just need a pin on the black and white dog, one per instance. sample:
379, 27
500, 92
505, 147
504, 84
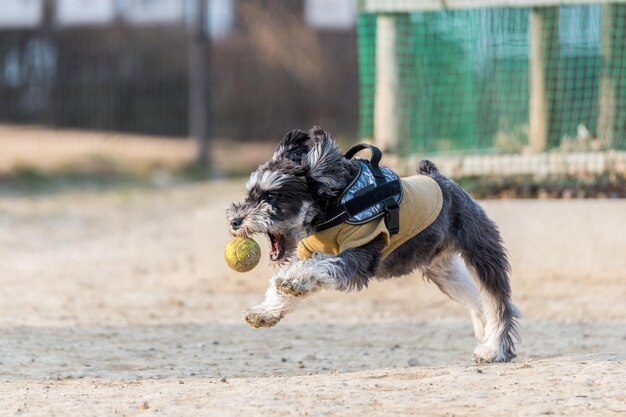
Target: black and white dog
290, 194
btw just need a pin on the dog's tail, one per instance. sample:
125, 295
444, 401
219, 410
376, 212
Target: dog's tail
426, 167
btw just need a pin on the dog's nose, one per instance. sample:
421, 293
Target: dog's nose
235, 223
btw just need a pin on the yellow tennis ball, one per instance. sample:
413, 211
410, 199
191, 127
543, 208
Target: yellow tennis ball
242, 254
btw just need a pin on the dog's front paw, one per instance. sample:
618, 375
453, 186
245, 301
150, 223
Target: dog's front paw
259, 318
291, 287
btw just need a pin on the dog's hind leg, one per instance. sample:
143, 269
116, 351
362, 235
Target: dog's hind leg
481, 247
449, 273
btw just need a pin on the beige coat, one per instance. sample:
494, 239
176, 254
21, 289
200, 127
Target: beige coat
420, 206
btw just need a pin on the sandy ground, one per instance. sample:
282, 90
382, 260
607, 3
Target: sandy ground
119, 304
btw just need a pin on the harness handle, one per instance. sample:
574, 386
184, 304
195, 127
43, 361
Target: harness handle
376, 157
376, 153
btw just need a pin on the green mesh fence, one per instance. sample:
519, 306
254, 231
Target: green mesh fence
463, 77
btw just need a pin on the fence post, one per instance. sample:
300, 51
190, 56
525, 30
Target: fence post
606, 93
538, 106
47, 33
199, 69
544, 60
386, 100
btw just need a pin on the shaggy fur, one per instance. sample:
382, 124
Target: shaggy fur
287, 197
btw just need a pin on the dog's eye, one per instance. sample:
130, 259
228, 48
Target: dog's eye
273, 196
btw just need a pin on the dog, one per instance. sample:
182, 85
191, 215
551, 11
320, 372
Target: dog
460, 249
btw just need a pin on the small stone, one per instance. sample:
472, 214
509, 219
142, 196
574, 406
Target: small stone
413, 362
180, 381
144, 405
283, 360
479, 371
309, 358
223, 380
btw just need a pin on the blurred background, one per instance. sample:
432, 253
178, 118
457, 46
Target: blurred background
235, 72
125, 65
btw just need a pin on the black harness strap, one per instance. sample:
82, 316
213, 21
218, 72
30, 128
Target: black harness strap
383, 192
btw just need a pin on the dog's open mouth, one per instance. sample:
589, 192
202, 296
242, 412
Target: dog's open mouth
277, 246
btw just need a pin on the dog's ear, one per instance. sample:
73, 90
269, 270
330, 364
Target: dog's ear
324, 165
293, 146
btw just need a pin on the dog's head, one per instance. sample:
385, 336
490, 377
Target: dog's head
290, 191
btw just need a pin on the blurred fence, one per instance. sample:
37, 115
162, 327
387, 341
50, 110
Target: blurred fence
440, 76
271, 72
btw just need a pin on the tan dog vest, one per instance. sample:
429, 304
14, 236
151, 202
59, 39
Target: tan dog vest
420, 206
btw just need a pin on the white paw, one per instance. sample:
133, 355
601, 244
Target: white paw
291, 287
484, 354
256, 318
487, 353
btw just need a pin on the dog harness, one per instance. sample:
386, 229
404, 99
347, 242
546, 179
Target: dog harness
375, 203
374, 192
